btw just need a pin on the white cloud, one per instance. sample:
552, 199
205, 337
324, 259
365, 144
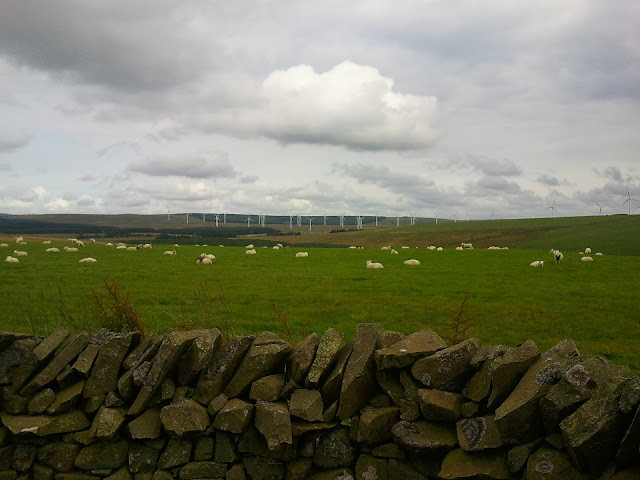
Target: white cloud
216, 165
11, 143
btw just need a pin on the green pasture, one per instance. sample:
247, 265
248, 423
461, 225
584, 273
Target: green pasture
596, 304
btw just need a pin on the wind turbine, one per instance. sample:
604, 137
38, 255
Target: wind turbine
600, 213
217, 219
325, 220
342, 221
187, 218
398, 221
492, 214
359, 222
299, 220
290, 222
168, 215
310, 219
224, 218
552, 208
435, 214
203, 217
629, 200
249, 221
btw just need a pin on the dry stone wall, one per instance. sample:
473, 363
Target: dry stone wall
383, 406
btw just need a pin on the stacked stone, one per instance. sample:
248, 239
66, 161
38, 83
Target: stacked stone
384, 406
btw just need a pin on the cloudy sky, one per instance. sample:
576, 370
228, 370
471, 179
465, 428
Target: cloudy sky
285, 107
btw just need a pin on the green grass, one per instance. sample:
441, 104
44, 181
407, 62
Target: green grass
595, 304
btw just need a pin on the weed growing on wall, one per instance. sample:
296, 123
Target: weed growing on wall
115, 311
458, 324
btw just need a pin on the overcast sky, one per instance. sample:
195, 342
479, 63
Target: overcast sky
332, 107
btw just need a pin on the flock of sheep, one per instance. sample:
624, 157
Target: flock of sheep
558, 256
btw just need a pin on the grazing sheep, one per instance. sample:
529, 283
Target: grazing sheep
302, 254
70, 249
88, 260
459, 248
109, 244
176, 245
353, 246
394, 252
431, 247
5, 245
147, 245
250, 246
598, 254
371, 264
20, 253
537, 263
386, 248
557, 255
11, 259
439, 249
204, 261
210, 256
467, 246
121, 247
404, 246
586, 259
19, 239
80, 243
170, 252
251, 251
412, 261
132, 249
276, 247
92, 240
46, 242
493, 247
587, 250
52, 250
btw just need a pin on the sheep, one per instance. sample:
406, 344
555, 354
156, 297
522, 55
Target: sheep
204, 261
386, 248
11, 259
586, 259
276, 247
120, 244
147, 245
493, 247
20, 253
210, 256
279, 245
80, 243
371, 264
19, 239
176, 245
598, 254
251, 251
394, 252
412, 261
557, 255
439, 249
121, 247
70, 249
88, 260
537, 263
302, 254
251, 246
467, 246
52, 250
170, 252
353, 247
5, 245
109, 244
46, 242
404, 246
459, 248
92, 240
587, 250
431, 247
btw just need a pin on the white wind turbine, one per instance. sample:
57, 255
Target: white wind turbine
187, 218
552, 208
629, 201
325, 220
435, 214
203, 217
168, 215
290, 222
342, 221
249, 220
492, 214
600, 213
310, 219
359, 222
217, 219
398, 221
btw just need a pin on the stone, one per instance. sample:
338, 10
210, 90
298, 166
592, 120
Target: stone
120, 474
14, 356
112, 399
518, 418
388, 338
41, 401
478, 433
301, 357
198, 355
333, 382
518, 456
23, 456
267, 389
103, 454
358, 382
409, 349
83, 363
490, 464
629, 451
219, 372
236, 472
630, 396
203, 449
448, 369
306, 404
335, 474
266, 356
12, 402
389, 381
469, 409
225, 448
594, 431
142, 458
235, 416
146, 348
66, 399
107, 422
254, 443
58, 455
632, 473
375, 424
64, 355
216, 404
371, 468
184, 417
43, 473
177, 452
45, 424
334, 449
551, 464
146, 426
263, 468
298, 469
424, 436
486, 353
327, 349
439, 405
274, 423
399, 470
172, 346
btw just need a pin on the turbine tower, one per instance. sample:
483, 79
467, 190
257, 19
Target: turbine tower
249, 220
310, 219
552, 208
187, 218
629, 201
600, 213
217, 219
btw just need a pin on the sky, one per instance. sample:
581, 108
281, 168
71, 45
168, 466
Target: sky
465, 109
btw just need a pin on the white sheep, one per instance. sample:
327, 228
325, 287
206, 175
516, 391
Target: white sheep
439, 249
19, 239
586, 259
80, 243
386, 248
493, 247
251, 251
250, 246
147, 245
371, 264
302, 254
412, 261
170, 252
394, 251
353, 247
20, 253
132, 249
70, 249
587, 250
92, 240
404, 246
557, 255
467, 246
11, 259
204, 261
121, 247
431, 247
459, 248
46, 242
276, 247
598, 254
109, 244
88, 260
210, 256
537, 263
5, 245
52, 250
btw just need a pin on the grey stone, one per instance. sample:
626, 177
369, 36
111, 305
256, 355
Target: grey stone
327, 349
263, 468
424, 436
375, 424
59, 456
23, 456
409, 349
508, 369
550, 464
389, 381
177, 452
629, 451
389, 450
439, 405
298, 469
448, 369
400, 470
333, 383
14, 356
66, 399
301, 358
142, 458
45, 424
184, 417
225, 448
274, 423
107, 422
358, 382
203, 470
334, 450
371, 468
490, 464
267, 388
235, 416
203, 449
306, 404
198, 355
83, 363
518, 456
41, 401
216, 404
102, 455
146, 426
478, 433
104, 373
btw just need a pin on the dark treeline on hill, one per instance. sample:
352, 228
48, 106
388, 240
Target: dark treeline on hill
22, 226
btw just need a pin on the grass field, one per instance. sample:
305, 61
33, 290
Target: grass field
595, 304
